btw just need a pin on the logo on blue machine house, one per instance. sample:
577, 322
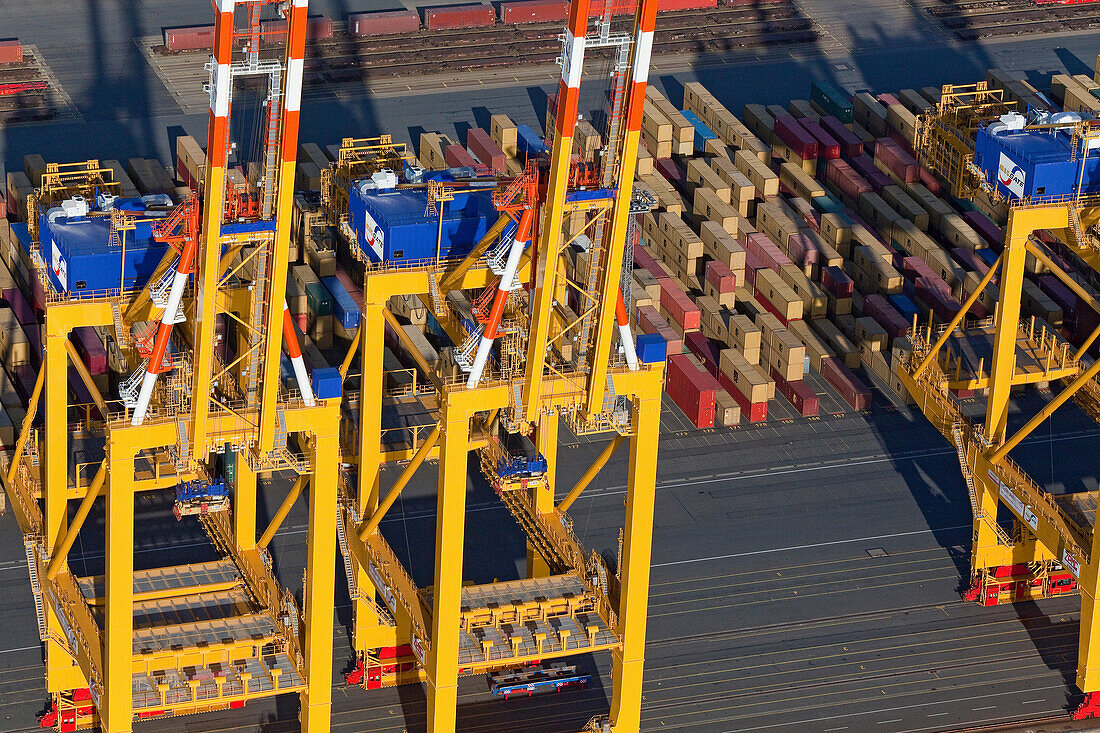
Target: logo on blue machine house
373, 233
1011, 176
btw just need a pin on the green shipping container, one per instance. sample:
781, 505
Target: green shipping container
318, 299
830, 99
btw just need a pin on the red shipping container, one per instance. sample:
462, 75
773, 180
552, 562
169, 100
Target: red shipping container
667, 5
458, 16
679, 305
850, 144
692, 389
827, 145
887, 100
754, 411
384, 23
865, 166
11, 51
837, 282
985, 228
803, 250
844, 177
904, 144
318, 28
841, 378
302, 321
707, 350
885, 315
971, 261
915, 268
788, 130
193, 38
667, 167
20, 308
720, 276
766, 251
534, 11
798, 393
485, 150
646, 261
900, 163
650, 321
92, 351
457, 157
928, 178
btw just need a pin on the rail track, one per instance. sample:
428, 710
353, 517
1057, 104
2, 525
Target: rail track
974, 19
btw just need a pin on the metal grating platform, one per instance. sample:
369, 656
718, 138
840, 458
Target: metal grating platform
179, 580
563, 635
1080, 509
255, 627
146, 695
187, 609
521, 592
975, 347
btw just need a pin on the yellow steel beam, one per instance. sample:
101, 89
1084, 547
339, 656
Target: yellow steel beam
410, 347
582, 483
371, 345
958, 317
1045, 413
280, 514
454, 278
353, 348
245, 498
28, 421
320, 582
442, 658
627, 663
1007, 319
115, 706
86, 377
61, 551
1073, 285
368, 527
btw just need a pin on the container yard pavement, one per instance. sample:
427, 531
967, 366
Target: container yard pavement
806, 577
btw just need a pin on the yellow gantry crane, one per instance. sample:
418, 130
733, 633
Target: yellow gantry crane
204, 412
522, 363
1051, 547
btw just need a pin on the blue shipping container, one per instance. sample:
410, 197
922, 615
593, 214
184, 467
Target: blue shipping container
1034, 164
327, 383
904, 305
78, 257
702, 132
529, 142
343, 307
651, 348
391, 225
987, 254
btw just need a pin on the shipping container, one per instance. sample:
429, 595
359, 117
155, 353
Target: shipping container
534, 11
192, 38
746, 384
828, 146
837, 282
318, 28
692, 389
879, 308
891, 156
865, 166
669, 5
383, 23
801, 395
795, 136
529, 144
831, 101
650, 321
458, 16
484, 149
344, 308
850, 387
847, 181
91, 349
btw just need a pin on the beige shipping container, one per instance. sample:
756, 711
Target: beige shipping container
837, 231
840, 344
815, 346
876, 212
586, 141
742, 191
957, 232
683, 132
869, 332
504, 134
933, 205
780, 295
774, 221
648, 283
711, 321
666, 194
701, 175
904, 204
799, 182
430, 152
763, 178
720, 245
679, 235
743, 334
749, 379
644, 165
708, 206
727, 412
815, 301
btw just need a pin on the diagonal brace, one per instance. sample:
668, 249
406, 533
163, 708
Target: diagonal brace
590, 474
369, 526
